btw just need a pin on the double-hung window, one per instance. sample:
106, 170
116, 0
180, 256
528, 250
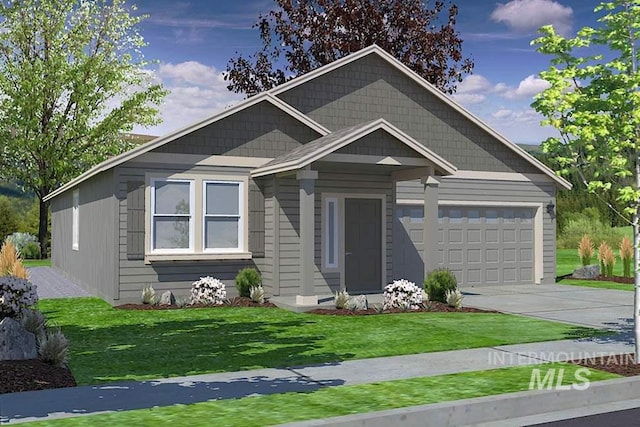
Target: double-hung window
172, 208
223, 216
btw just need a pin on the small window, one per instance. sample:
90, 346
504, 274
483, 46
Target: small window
223, 216
492, 216
509, 216
455, 216
172, 215
440, 215
416, 215
473, 215
75, 229
331, 237
526, 217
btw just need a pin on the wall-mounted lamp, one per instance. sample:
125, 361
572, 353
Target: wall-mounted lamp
551, 209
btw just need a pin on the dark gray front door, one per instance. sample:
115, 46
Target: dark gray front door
363, 245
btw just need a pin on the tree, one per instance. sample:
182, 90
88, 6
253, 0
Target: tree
312, 33
71, 79
594, 102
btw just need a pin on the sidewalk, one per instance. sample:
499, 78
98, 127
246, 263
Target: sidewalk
87, 400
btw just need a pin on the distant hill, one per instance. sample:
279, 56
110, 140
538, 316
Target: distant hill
531, 148
10, 189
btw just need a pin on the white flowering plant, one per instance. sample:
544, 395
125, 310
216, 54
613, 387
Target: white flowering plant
16, 295
402, 294
208, 290
454, 298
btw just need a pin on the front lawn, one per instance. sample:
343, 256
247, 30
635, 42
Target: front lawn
597, 284
334, 401
36, 262
568, 260
111, 345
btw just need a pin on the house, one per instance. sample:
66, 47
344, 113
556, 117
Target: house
348, 177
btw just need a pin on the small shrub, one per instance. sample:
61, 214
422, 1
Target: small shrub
30, 251
626, 255
599, 232
454, 298
585, 250
438, 283
26, 245
34, 322
256, 293
607, 259
340, 299
402, 294
148, 295
246, 278
208, 290
379, 308
53, 348
182, 301
16, 295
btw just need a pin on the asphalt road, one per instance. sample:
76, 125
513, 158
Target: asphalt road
626, 418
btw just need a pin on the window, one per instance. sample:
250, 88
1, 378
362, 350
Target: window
331, 237
75, 228
172, 209
222, 225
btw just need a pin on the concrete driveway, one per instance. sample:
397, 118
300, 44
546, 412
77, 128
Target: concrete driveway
600, 308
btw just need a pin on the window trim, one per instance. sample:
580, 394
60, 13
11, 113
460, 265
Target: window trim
153, 216
75, 220
328, 235
242, 218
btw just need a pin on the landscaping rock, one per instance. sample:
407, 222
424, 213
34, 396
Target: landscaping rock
587, 272
167, 298
358, 302
16, 343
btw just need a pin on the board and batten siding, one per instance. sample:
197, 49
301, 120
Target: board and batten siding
497, 191
94, 266
174, 276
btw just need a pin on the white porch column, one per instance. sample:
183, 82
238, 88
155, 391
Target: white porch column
307, 180
430, 230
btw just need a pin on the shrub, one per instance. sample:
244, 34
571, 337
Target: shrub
53, 348
599, 232
256, 293
26, 245
340, 299
585, 250
626, 255
208, 290
9, 219
16, 295
438, 282
402, 294
454, 298
10, 264
607, 259
246, 278
148, 295
34, 322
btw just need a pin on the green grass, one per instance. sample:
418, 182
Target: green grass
111, 345
568, 260
36, 262
597, 284
333, 401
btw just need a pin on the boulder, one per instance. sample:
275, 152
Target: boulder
587, 272
358, 302
16, 343
167, 298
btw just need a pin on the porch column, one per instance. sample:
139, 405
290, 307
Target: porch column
430, 223
307, 180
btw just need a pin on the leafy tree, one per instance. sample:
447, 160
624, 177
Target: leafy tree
71, 79
312, 33
594, 103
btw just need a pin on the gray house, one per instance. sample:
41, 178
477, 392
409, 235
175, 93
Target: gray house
348, 177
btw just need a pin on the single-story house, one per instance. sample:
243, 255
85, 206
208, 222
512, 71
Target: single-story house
348, 177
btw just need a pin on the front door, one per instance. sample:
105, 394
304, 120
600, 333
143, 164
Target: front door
363, 245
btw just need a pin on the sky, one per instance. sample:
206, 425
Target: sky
191, 42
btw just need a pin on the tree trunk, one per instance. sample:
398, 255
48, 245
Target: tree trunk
43, 227
636, 275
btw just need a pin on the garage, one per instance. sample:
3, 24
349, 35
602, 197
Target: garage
481, 245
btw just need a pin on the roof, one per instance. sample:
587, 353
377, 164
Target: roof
321, 147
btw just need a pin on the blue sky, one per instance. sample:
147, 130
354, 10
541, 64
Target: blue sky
192, 41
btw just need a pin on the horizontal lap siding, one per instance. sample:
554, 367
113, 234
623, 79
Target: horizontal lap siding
498, 191
267, 268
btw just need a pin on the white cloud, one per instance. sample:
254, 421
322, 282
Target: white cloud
527, 88
526, 16
468, 98
473, 84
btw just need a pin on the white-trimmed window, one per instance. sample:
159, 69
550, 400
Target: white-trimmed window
331, 232
172, 208
223, 216
75, 226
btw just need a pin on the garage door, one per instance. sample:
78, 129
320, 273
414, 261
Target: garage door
481, 245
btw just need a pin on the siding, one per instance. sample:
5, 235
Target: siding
371, 88
498, 191
379, 143
94, 265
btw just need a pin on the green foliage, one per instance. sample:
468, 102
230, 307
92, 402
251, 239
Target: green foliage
247, 278
587, 222
438, 283
21, 241
31, 251
9, 221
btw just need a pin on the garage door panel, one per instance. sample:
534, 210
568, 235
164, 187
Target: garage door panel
508, 236
492, 235
474, 236
474, 256
492, 255
455, 256
455, 236
509, 255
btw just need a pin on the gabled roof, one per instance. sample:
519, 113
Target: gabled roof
321, 147
376, 50
158, 142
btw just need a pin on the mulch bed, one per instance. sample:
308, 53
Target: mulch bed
432, 306
32, 374
234, 302
621, 364
601, 278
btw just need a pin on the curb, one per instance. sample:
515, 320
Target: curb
491, 408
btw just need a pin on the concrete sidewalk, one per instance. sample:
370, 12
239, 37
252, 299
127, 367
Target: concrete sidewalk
87, 400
